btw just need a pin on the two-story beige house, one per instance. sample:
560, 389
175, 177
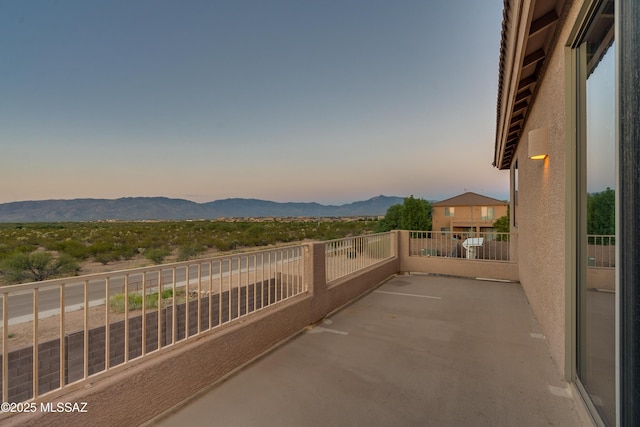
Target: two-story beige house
467, 212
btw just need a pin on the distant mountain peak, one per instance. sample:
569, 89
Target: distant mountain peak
164, 208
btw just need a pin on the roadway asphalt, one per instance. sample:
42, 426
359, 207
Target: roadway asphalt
417, 351
21, 303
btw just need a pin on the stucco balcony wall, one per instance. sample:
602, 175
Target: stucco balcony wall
460, 267
142, 389
137, 392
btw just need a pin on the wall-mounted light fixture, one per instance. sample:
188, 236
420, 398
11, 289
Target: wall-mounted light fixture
539, 144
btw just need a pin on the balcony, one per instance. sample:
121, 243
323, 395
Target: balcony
418, 350
410, 351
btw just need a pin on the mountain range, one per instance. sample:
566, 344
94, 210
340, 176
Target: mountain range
163, 208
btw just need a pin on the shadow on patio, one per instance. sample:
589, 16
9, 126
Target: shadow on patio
418, 350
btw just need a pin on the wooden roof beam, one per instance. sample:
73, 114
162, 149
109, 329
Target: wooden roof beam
543, 23
523, 95
517, 118
520, 106
526, 82
533, 58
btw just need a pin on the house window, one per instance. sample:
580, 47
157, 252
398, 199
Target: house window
486, 213
594, 54
449, 211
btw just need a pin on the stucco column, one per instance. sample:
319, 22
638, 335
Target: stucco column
316, 279
402, 237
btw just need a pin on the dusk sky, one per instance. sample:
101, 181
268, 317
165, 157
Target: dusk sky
327, 101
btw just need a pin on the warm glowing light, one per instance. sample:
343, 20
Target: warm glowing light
539, 144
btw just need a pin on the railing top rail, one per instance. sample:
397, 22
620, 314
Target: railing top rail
346, 239
454, 233
72, 280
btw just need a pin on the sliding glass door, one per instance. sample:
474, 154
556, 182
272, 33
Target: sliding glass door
596, 201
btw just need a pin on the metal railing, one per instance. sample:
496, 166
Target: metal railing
493, 246
59, 332
351, 254
601, 251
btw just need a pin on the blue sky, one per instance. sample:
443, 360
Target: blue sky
328, 101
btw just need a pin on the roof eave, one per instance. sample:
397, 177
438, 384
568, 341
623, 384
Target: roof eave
529, 30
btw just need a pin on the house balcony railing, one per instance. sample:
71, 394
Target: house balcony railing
601, 251
134, 324
490, 246
348, 255
155, 307
80, 323
472, 222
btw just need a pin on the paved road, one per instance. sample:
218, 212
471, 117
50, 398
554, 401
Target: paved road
21, 303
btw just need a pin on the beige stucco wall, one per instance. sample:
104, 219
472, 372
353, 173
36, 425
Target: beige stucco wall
499, 270
541, 230
465, 216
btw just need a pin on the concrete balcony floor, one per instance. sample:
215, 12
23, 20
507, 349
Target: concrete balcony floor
417, 351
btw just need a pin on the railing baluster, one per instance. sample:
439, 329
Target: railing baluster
107, 325
255, 280
219, 292
239, 281
174, 315
35, 344
5, 347
160, 310
198, 296
126, 318
210, 294
269, 284
62, 348
86, 330
187, 296
246, 289
230, 262
144, 314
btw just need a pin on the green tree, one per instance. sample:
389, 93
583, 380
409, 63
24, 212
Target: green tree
392, 219
601, 212
502, 225
416, 214
413, 214
36, 266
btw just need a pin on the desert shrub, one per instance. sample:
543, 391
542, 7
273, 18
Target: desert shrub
127, 252
223, 244
189, 251
106, 257
74, 248
117, 302
37, 266
157, 255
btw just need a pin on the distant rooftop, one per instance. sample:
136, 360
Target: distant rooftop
471, 199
